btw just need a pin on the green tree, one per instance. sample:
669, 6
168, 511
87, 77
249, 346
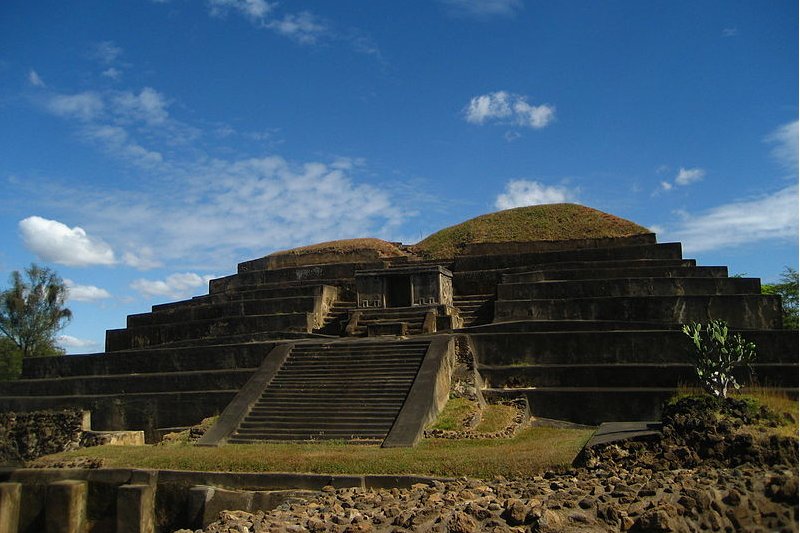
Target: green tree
32, 311
787, 289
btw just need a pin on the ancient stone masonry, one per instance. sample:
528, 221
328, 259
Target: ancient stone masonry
587, 329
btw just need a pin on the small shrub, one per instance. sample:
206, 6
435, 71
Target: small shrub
716, 354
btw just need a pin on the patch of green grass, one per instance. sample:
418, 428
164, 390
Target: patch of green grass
552, 222
454, 414
495, 418
532, 450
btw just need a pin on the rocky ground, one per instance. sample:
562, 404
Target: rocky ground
711, 471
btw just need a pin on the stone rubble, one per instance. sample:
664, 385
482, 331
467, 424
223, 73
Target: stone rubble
704, 474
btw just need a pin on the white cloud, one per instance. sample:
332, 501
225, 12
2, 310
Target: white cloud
106, 52
85, 293
68, 341
53, 241
520, 193
34, 79
785, 140
770, 217
666, 186
302, 27
83, 106
112, 73
730, 32
533, 116
483, 8
174, 286
507, 108
143, 260
253, 9
116, 141
689, 175
148, 106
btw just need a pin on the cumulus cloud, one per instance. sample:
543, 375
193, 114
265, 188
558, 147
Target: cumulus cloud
483, 8
767, 218
71, 343
53, 241
689, 175
174, 286
34, 79
684, 177
520, 193
112, 119
253, 9
502, 107
85, 293
785, 141
302, 27
84, 106
148, 106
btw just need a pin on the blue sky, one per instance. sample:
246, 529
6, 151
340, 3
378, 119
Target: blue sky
147, 146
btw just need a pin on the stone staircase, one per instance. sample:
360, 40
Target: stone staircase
336, 318
474, 309
343, 390
413, 317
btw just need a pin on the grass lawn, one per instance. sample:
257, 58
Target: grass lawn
531, 451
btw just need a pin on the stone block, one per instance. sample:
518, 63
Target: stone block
66, 506
10, 497
387, 328
135, 509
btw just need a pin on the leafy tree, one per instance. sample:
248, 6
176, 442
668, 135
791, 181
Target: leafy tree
33, 310
716, 354
787, 289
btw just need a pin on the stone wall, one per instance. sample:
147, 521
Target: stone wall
26, 436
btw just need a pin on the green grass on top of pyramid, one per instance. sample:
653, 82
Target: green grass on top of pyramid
549, 222
345, 246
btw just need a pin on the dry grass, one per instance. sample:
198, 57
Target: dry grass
495, 418
553, 222
384, 248
454, 414
532, 450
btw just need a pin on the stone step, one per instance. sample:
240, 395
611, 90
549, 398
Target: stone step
127, 383
245, 295
374, 380
364, 416
635, 271
145, 361
331, 398
300, 425
622, 375
485, 280
388, 407
534, 326
366, 438
609, 347
146, 411
323, 370
646, 251
621, 287
211, 311
144, 336
740, 311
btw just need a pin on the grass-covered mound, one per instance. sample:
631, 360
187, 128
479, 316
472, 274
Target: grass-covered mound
551, 222
343, 247
532, 450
